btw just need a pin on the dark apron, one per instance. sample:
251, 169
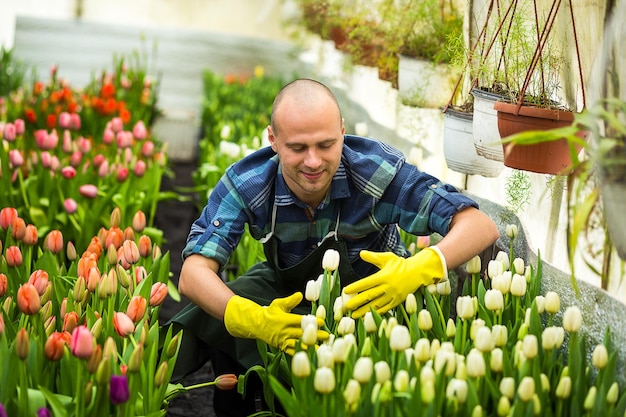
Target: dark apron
262, 283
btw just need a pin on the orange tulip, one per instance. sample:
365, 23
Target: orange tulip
70, 321
31, 236
4, 283
140, 274
145, 246
123, 324
114, 237
7, 216
158, 293
136, 308
18, 228
14, 256
114, 221
129, 234
131, 252
28, 299
54, 241
55, 346
22, 344
226, 381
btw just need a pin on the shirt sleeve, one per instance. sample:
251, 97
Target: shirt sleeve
216, 233
420, 203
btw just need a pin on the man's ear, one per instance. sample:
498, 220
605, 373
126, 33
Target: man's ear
271, 138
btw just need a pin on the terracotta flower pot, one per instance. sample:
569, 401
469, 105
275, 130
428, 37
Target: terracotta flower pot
545, 158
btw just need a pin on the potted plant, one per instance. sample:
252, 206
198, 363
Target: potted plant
533, 107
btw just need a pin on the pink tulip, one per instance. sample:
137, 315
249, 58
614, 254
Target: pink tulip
82, 342
68, 145
123, 324
68, 172
4, 282
158, 292
226, 381
88, 190
84, 144
42, 139
55, 163
75, 121
131, 251
122, 174
39, 280
140, 168
64, 120
46, 159
423, 242
54, 241
28, 299
76, 158
139, 221
147, 149
140, 274
108, 137
1, 324
98, 160
9, 132
124, 139
70, 205
14, 256
116, 124
7, 216
19, 126
139, 130
103, 169
16, 158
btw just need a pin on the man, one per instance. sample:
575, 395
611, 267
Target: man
312, 190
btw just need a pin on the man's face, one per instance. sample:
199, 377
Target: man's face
309, 145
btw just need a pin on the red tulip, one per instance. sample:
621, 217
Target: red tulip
14, 256
123, 324
54, 241
28, 299
39, 279
55, 346
7, 216
158, 292
137, 307
31, 236
122, 174
82, 343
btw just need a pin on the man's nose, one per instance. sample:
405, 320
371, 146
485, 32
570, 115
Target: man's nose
312, 158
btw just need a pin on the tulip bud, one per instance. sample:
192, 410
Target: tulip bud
369, 322
504, 406
552, 303
158, 293
494, 300
352, 394
507, 387
330, 261
410, 304
4, 283
590, 399
118, 388
518, 285
382, 371
82, 342
123, 324
564, 387
424, 320
28, 299
363, 369
443, 287
457, 388
511, 231
475, 364
93, 362
600, 356
116, 216
473, 265
400, 338
320, 312
226, 382
529, 346
139, 221
300, 365
427, 392
325, 356
312, 292
324, 380
465, 307
401, 381
22, 344
613, 393
50, 325
526, 389
572, 319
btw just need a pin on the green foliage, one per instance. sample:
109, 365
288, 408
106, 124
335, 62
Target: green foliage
12, 72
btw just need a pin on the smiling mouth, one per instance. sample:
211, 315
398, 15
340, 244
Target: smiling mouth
313, 175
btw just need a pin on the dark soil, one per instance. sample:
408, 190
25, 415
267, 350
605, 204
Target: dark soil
174, 218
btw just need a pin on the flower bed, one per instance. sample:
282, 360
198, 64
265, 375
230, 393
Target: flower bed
500, 352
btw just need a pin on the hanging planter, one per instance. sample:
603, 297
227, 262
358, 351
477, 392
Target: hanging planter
486, 132
551, 157
458, 146
538, 112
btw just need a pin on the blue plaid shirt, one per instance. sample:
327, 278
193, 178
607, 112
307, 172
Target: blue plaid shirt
374, 191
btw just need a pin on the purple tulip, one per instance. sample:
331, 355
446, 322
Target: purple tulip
3, 411
118, 389
43, 412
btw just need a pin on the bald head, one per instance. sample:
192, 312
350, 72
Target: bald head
303, 96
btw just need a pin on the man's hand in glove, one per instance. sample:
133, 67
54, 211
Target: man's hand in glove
397, 278
274, 324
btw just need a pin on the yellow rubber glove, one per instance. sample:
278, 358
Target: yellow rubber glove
274, 324
397, 278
